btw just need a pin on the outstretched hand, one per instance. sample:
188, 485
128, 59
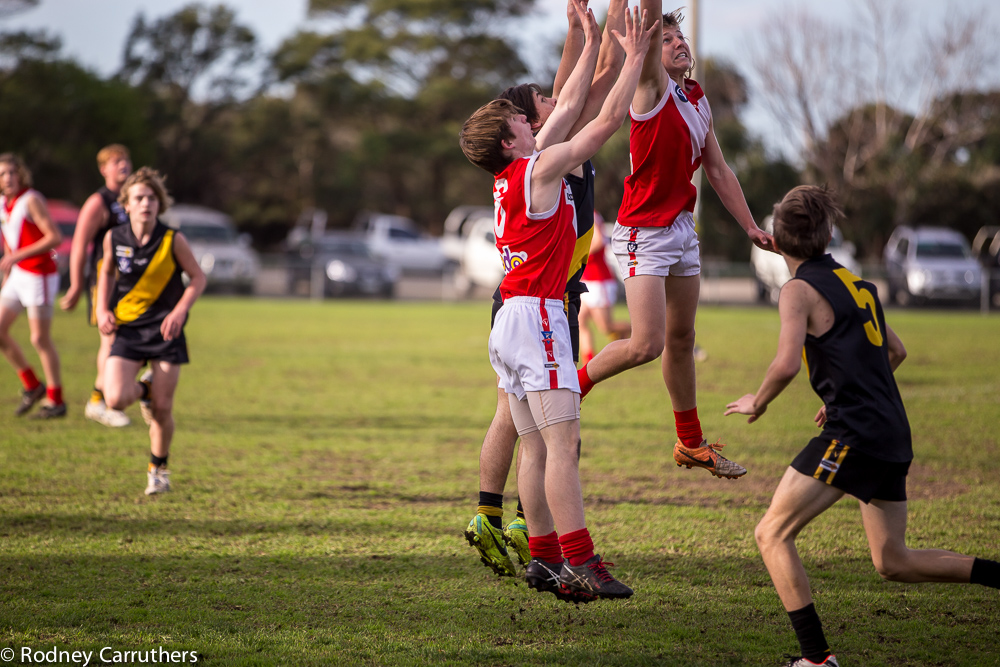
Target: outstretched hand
583, 17
635, 41
745, 406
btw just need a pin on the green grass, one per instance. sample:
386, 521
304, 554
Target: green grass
325, 464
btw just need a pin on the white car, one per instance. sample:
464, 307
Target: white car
931, 264
399, 243
772, 272
229, 263
479, 263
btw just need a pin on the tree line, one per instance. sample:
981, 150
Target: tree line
366, 116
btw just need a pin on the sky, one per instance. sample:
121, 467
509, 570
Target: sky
94, 31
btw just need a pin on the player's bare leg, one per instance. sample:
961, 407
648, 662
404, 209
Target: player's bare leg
11, 350
797, 501
646, 297
677, 365
41, 339
485, 531
885, 525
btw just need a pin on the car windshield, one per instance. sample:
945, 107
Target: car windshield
344, 247
941, 250
209, 233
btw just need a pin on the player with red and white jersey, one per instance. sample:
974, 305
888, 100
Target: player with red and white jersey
597, 302
30, 282
529, 345
655, 239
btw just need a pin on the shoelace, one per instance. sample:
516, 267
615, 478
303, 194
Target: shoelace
600, 568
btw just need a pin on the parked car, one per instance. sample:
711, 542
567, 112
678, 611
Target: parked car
986, 248
229, 263
456, 229
346, 265
930, 263
479, 262
397, 241
772, 272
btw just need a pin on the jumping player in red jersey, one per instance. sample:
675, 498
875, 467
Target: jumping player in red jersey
599, 299
655, 240
30, 282
582, 85
529, 345
100, 213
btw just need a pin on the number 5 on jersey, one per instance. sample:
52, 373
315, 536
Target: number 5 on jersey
865, 301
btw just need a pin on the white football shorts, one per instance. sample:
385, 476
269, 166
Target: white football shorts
658, 251
530, 347
600, 294
33, 291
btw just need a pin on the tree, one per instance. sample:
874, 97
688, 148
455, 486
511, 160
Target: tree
386, 95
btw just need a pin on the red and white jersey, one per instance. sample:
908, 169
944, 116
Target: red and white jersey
597, 266
19, 231
536, 248
664, 152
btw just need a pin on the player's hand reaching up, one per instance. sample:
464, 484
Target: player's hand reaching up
585, 18
635, 41
746, 406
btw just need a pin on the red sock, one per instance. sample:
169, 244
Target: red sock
577, 546
586, 384
688, 428
55, 395
28, 379
546, 547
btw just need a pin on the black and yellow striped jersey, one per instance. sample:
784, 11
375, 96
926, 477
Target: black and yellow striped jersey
583, 200
849, 366
149, 281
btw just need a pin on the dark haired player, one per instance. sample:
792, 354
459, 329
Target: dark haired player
834, 320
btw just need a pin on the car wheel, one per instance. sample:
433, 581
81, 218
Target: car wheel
763, 292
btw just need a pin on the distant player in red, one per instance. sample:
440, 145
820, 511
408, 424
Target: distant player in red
599, 300
834, 321
655, 239
100, 213
30, 282
530, 347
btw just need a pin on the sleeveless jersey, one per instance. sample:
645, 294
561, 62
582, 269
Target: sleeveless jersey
149, 279
849, 366
664, 152
536, 248
597, 266
20, 231
583, 201
116, 216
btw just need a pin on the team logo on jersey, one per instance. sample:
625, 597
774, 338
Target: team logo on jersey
124, 254
552, 365
125, 264
512, 260
546, 335
680, 93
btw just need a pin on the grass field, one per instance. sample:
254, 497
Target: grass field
325, 464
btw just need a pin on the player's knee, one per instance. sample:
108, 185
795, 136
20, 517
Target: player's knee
681, 342
644, 351
891, 565
763, 534
162, 410
114, 397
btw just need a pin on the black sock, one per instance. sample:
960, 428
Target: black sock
520, 508
487, 502
809, 630
985, 572
157, 461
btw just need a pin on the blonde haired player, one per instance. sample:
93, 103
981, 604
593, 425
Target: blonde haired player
142, 300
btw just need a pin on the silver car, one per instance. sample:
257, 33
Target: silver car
229, 263
925, 264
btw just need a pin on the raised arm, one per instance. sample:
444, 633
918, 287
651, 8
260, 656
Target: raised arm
572, 48
609, 64
653, 80
562, 158
727, 186
574, 94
